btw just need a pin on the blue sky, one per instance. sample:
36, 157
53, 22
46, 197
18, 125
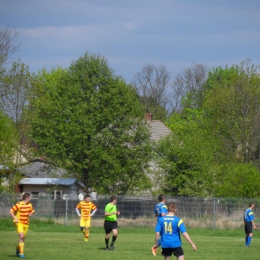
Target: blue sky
133, 33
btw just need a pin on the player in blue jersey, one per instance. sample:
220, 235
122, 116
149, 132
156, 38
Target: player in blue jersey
169, 228
160, 210
249, 223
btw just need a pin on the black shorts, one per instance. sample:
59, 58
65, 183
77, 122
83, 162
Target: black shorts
177, 251
248, 227
109, 226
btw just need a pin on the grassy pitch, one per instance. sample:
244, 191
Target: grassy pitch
58, 242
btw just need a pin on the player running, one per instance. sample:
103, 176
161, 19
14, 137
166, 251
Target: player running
88, 209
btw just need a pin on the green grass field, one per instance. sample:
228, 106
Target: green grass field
56, 242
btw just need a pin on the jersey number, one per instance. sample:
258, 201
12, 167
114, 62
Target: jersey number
167, 227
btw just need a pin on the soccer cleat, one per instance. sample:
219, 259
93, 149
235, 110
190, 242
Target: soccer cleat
107, 248
112, 246
22, 256
153, 250
85, 239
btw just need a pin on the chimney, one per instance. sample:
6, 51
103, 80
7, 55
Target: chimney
149, 117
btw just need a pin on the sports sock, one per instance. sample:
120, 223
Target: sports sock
21, 248
246, 240
87, 233
249, 241
107, 241
114, 239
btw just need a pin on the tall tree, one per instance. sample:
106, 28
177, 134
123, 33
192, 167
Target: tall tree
191, 156
89, 121
151, 85
8, 140
189, 87
233, 110
8, 46
13, 99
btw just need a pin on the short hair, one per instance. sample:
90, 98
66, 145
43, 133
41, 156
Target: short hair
26, 195
251, 204
172, 207
112, 198
161, 197
87, 196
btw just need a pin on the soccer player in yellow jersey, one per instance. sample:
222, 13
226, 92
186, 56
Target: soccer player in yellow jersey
20, 213
85, 210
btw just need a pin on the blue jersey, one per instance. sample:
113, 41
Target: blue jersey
159, 209
249, 215
169, 228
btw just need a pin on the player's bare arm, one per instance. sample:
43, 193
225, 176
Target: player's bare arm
187, 237
13, 216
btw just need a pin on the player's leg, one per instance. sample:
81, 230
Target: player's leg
115, 232
20, 246
178, 252
249, 239
82, 225
83, 228
108, 229
87, 226
249, 232
167, 252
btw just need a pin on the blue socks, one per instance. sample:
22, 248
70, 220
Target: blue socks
248, 240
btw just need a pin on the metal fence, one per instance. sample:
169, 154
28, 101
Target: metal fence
206, 210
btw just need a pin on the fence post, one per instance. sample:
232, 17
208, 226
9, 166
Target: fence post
214, 213
67, 197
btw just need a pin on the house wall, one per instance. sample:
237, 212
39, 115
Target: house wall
69, 191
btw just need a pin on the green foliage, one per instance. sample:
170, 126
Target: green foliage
239, 180
232, 111
8, 140
8, 146
191, 160
89, 121
217, 145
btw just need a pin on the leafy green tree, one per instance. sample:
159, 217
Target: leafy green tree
8, 141
217, 143
238, 180
190, 156
14, 88
88, 120
232, 110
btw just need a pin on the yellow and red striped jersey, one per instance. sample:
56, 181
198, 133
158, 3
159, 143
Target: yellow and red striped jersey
22, 210
86, 208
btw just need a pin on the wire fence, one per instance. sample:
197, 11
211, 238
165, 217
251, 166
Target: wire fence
212, 212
